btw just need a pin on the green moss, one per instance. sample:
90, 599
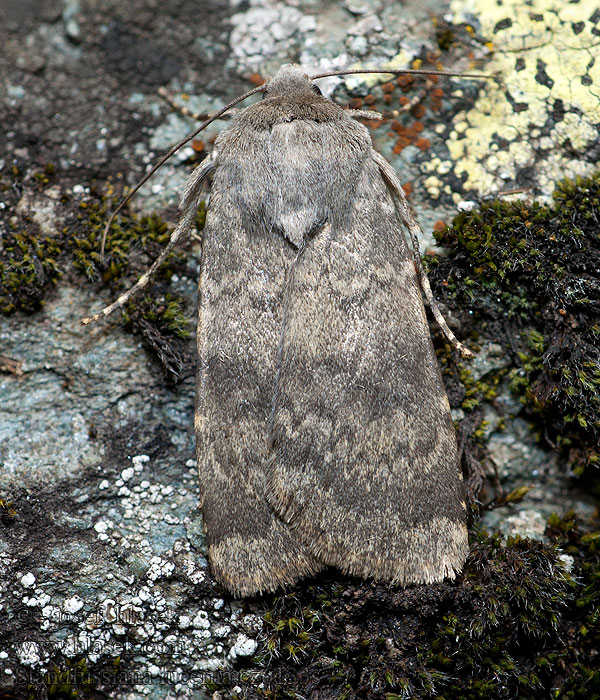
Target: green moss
516, 624
129, 237
477, 391
43, 177
7, 511
132, 244
162, 324
527, 276
30, 264
71, 681
168, 315
290, 628
201, 216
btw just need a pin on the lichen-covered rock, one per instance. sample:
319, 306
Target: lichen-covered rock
539, 120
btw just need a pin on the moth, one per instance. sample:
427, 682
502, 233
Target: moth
324, 434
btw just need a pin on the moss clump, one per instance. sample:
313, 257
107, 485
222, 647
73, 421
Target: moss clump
162, 324
292, 627
28, 266
129, 238
477, 391
132, 244
7, 511
44, 176
516, 624
527, 276
71, 681
31, 263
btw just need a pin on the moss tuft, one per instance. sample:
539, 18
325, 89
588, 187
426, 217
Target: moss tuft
516, 624
71, 681
528, 276
132, 245
129, 237
162, 324
44, 176
7, 511
28, 266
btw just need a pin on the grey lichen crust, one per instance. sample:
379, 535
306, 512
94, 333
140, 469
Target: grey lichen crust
320, 403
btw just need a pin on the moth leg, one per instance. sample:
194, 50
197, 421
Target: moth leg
170, 98
364, 114
188, 207
413, 227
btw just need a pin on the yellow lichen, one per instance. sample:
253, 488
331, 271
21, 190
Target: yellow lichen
543, 55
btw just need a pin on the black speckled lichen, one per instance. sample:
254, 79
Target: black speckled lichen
527, 276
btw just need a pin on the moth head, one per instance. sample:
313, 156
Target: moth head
290, 79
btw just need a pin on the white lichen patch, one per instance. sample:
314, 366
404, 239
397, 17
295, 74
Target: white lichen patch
29, 653
252, 624
201, 620
138, 462
127, 473
159, 568
526, 522
28, 580
39, 600
267, 29
540, 121
195, 574
73, 604
221, 631
137, 615
244, 646
567, 561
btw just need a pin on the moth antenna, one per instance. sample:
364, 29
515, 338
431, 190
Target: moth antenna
414, 229
165, 158
403, 71
188, 207
259, 88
